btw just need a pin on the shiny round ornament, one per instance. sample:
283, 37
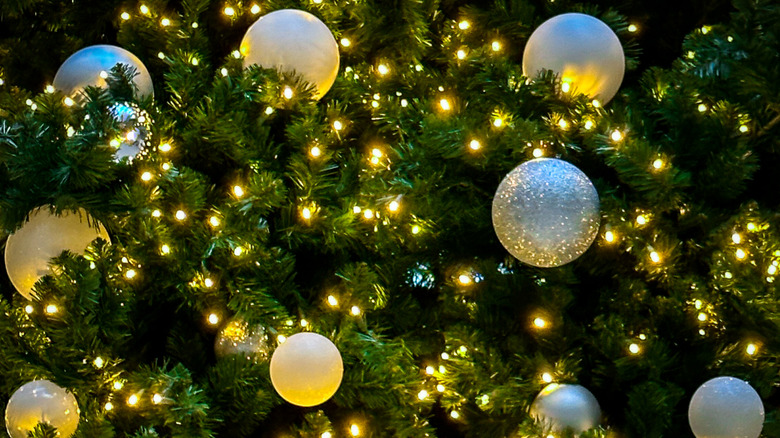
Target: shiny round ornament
240, 338
582, 50
306, 369
563, 406
546, 212
136, 128
292, 40
91, 66
41, 401
726, 407
29, 249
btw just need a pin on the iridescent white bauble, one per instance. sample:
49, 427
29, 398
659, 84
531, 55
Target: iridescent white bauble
29, 249
581, 50
91, 66
726, 407
306, 369
546, 212
240, 338
562, 406
292, 40
41, 401
136, 128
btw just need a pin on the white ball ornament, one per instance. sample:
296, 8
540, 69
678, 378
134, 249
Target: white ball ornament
29, 249
306, 369
41, 401
563, 406
546, 212
582, 50
240, 338
292, 40
726, 407
91, 66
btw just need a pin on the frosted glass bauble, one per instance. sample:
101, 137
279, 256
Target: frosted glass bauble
563, 406
306, 369
546, 212
292, 40
41, 401
29, 249
240, 338
581, 50
91, 66
726, 407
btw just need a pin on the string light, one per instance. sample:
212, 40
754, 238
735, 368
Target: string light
455, 415
195, 61
108, 406
496, 46
658, 164
144, 9
130, 274
355, 311
475, 145
125, 16
429, 370
751, 226
337, 125
29, 309
157, 399
118, 385
161, 55
213, 318
165, 22
238, 191
463, 25
98, 362
306, 213
498, 122
740, 253
445, 104
547, 378
281, 338
368, 214
634, 348
655, 257
165, 147
632, 28
464, 279
345, 42
332, 301
132, 400
180, 215
146, 176
287, 93
383, 69
255, 9
326, 435
68, 101
422, 395
743, 128
440, 387
751, 349
736, 238
609, 236
588, 125
702, 316
445, 356
394, 206
166, 166
539, 322
415, 229
165, 249
616, 135
354, 430
702, 107
566, 86
563, 124
461, 54
315, 151
229, 11
49, 89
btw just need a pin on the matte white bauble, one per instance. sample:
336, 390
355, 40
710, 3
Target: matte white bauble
29, 249
306, 369
292, 40
91, 66
582, 50
726, 407
41, 401
563, 406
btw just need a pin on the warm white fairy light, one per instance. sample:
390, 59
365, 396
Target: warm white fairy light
394, 206
287, 93
144, 9
736, 238
237, 251
429, 370
146, 176
355, 311
214, 221
338, 125
701, 316
130, 274
539, 322
255, 9
498, 122
464, 24
180, 215
771, 270
156, 213
609, 236
383, 69
157, 399
475, 145
326, 435
702, 107
99, 362
658, 164
728, 275
368, 214
743, 129
49, 89
29, 309
166, 166
125, 16
213, 318
634, 348
455, 415
538, 152
641, 220
740, 253
165, 249
165, 147
229, 11
195, 61
165, 22
440, 387
616, 135
461, 54
566, 86
444, 104
547, 378
68, 101
238, 191
751, 349
416, 229
422, 395
632, 28
315, 151
108, 406
655, 257
306, 213
496, 46
118, 385
345, 42
132, 400
465, 279
332, 301
588, 125
563, 124
354, 430
208, 282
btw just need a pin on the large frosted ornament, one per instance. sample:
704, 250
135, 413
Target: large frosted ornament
563, 406
41, 401
546, 212
29, 250
241, 338
91, 66
726, 407
306, 369
582, 50
292, 40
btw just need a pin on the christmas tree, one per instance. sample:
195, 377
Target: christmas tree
176, 218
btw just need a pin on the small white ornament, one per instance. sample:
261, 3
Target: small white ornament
726, 407
292, 40
546, 212
306, 370
41, 401
238, 337
29, 249
91, 66
582, 50
563, 406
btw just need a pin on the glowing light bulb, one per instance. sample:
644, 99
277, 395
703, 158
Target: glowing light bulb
616, 135
144, 9
355, 311
165, 147
588, 125
429, 370
180, 215
563, 124
464, 279
98, 362
287, 93
195, 61
157, 399
641, 219
415, 229
547, 378
68, 101
565, 87
130, 274
771, 270
229, 11
702, 316
634, 348
165, 249
655, 257
238, 191
440, 387
445, 356
332, 301
422, 395
455, 415
658, 164
740, 253
394, 206
632, 28
736, 238
609, 236
237, 251
146, 176
702, 107
118, 385
165, 22
161, 55
337, 125
29, 309
383, 69
306, 213
697, 304
255, 9
345, 42
743, 129
49, 89
368, 214
213, 319
751, 349
751, 226
445, 104
475, 145
156, 213
461, 54
498, 122
463, 25
132, 400
496, 46
125, 16
326, 435
539, 322
354, 430
108, 406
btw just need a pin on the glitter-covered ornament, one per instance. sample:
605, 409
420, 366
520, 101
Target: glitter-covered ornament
41, 401
306, 369
29, 250
726, 407
292, 40
92, 65
563, 406
240, 338
546, 212
583, 51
